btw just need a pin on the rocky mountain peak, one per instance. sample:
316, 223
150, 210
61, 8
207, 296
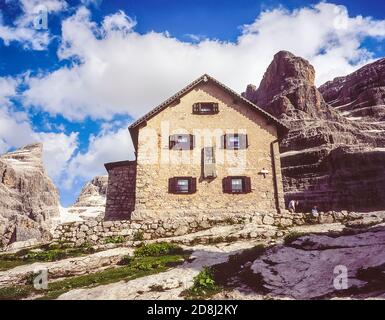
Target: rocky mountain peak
360, 96
93, 193
28, 198
319, 155
288, 92
285, 72
30, 155
90, 202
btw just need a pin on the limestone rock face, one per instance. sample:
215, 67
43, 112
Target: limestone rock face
91, 201
28, 197
327, 159
93, 193
308, 267
360, 96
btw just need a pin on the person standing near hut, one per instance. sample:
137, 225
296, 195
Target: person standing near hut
293, 204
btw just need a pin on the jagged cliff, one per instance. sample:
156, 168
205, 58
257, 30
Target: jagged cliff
28, 197
91, 201
360, 96
327, 159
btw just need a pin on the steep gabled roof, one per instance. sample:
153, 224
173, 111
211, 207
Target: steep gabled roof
282, 128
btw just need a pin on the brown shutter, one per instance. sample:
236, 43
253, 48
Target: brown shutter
171, 185
215, 108
192, 141
226, 185
192, 185
247, 184
171, 142
196, 108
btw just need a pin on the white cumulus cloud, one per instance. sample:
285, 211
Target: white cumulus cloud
23, 29
108, 146
16, 131
116, 70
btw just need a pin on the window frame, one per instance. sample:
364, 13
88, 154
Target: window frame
243, 141
173, 143
173, 185
197, 108
228, 186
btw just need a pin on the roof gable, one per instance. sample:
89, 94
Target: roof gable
282, 128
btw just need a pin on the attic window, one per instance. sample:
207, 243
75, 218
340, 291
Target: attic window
205, 108
182, 185
236, 185
181, 142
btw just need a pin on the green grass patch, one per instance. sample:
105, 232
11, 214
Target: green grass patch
138, 236
132, 267
44, 253
116, 239
292, 236
157, 249
204, 285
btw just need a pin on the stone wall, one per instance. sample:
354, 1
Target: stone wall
102, 232
121, 190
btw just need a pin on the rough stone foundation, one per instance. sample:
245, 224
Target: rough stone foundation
101, 232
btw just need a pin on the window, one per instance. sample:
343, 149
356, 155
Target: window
181, 142
236, 185
182, 185
205, 108
236, 141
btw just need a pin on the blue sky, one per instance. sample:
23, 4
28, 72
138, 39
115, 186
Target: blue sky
100, 64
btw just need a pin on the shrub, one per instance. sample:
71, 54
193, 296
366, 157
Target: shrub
204, 284
115, 239
125, 260
158, 249
138, 236
292, 236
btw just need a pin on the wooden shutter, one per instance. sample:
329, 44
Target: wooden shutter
172, 185
226, 185
246, 184
172, 141
192, 185
196, 108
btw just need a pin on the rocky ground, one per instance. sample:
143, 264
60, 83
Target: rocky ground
300, 265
